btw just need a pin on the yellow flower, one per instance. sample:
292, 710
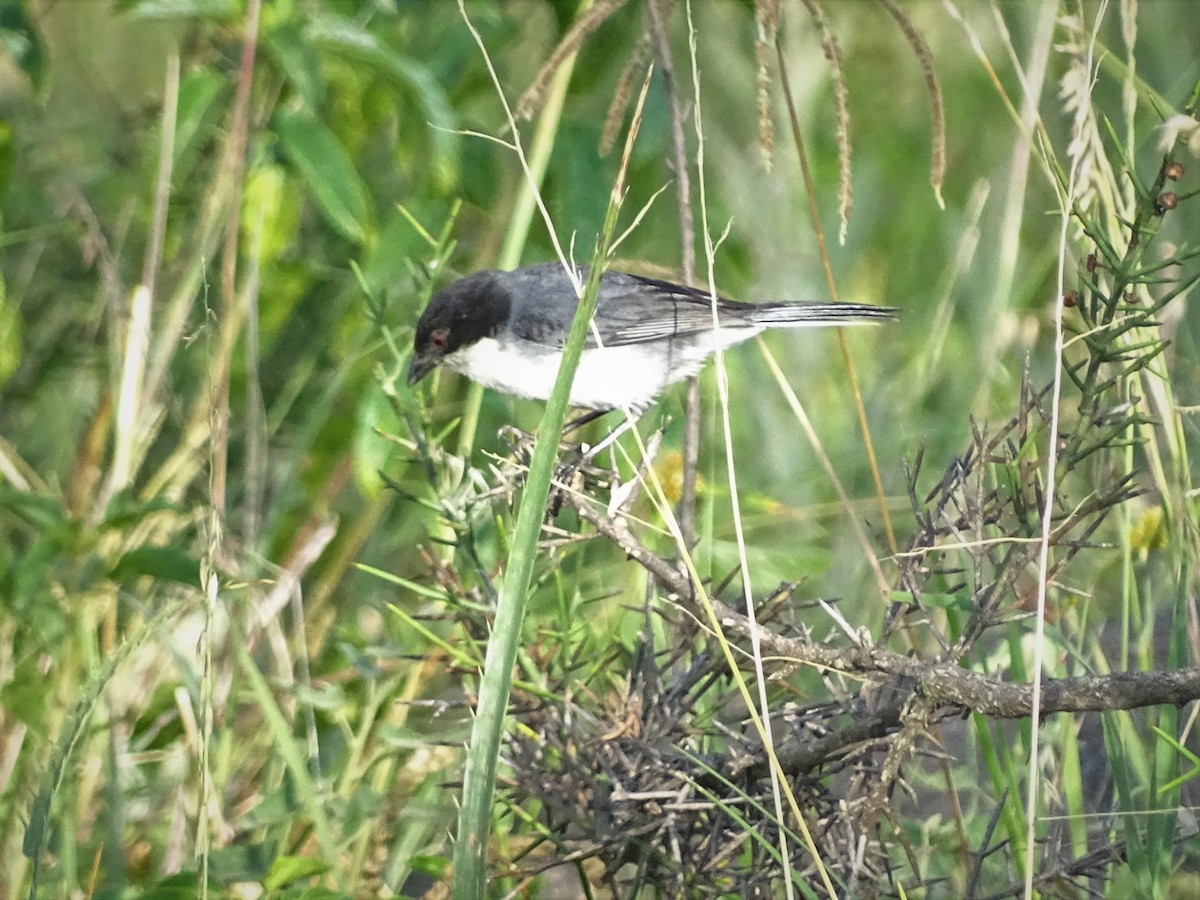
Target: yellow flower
1147, 532
669, 469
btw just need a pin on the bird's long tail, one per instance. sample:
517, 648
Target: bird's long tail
799, 315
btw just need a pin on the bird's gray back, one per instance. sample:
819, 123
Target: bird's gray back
631, 309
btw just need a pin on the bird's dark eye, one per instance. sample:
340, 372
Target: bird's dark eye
440, 338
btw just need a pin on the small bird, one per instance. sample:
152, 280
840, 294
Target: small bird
506, 330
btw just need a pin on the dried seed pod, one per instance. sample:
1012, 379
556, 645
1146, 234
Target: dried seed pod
1166, 201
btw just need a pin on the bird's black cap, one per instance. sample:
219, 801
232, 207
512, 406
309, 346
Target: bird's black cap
460, 314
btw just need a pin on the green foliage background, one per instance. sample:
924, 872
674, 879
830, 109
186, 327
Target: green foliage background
363, 119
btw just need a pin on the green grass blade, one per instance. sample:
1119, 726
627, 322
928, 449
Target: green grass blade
470, 849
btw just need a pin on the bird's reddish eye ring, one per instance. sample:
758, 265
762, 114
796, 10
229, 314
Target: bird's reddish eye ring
440, 338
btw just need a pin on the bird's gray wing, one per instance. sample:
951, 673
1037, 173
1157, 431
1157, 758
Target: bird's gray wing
631, 309
634, 309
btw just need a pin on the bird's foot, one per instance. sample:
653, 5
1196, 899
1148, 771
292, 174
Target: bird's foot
576, 471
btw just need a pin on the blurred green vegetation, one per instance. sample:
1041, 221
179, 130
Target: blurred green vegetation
269, 458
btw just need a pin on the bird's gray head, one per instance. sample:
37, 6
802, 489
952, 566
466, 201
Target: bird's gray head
460, 314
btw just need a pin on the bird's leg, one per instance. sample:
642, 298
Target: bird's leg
586, 419
590, 453
566, 477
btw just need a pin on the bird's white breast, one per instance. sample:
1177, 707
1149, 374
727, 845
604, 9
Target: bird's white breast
629, 376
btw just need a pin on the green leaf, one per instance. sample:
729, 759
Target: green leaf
244, 862
287, 869
436, 866
40, 512
198, 108
297, 59
327, 697
26, 589
163, 563
276, 809
270, 212
352, 42
325, 167
24, 697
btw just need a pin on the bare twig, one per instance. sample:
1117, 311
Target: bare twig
946, 684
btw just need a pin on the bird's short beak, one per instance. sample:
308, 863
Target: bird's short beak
420, 366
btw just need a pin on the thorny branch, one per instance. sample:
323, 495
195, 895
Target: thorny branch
945, 684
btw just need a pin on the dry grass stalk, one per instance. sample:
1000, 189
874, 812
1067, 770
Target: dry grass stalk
937, 165
535, 95
841, 97
766, 18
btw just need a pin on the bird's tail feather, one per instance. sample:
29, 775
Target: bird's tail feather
782, 315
